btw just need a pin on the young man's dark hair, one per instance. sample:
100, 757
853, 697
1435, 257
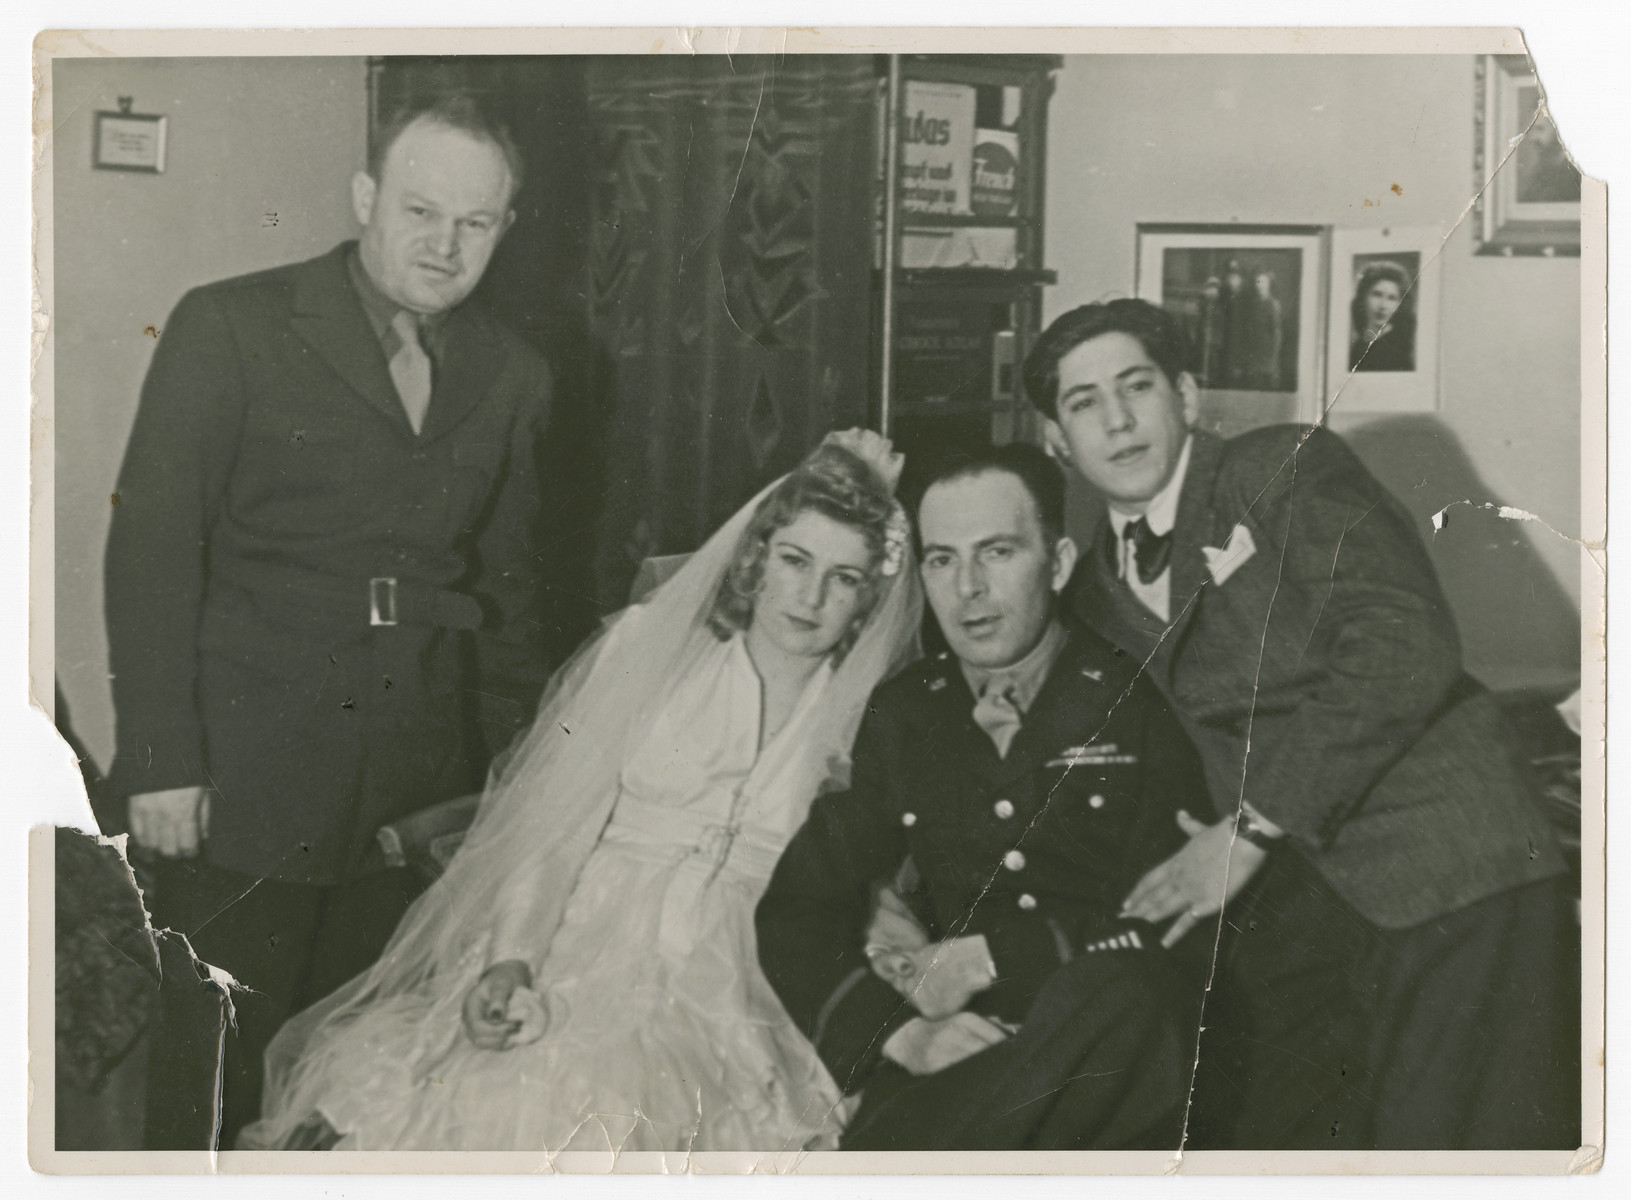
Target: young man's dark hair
454, 110
1027, 463
1156, 329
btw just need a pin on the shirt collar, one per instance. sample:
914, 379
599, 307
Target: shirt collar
382, 310
1024, 678
1162, 512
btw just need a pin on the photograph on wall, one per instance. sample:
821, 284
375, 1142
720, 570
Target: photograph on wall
1249, 299
1543, 172
1382, 312
1382, 353
1240, 307
487, 570
1531, 204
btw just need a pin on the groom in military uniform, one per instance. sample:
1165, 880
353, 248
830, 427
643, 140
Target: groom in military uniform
1027, 779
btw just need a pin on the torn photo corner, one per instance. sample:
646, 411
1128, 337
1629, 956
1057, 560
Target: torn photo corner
463, 620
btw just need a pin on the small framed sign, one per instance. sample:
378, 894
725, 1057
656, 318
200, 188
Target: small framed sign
127, 141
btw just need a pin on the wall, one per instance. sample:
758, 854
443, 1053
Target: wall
260, 155
1309, 140
1293, 140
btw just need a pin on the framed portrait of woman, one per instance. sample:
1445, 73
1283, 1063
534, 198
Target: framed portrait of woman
1252, 300
1382, 344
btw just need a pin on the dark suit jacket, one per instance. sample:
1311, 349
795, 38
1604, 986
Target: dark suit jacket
1330, 654
271, 473
927, 783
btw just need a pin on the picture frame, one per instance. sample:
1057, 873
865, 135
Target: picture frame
128, 141
1528, 187
1382, 349
1252, 299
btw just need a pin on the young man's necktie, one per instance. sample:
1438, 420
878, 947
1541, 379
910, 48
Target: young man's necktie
1150, 550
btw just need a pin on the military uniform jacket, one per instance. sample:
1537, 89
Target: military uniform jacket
271, 474
1035, 851
1320, 677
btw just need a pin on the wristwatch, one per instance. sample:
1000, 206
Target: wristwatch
1249, 827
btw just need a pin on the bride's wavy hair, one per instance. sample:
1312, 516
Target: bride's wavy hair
834, 483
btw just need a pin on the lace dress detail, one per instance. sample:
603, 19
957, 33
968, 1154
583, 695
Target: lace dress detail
663, 1033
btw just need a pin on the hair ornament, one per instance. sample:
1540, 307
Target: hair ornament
895, 532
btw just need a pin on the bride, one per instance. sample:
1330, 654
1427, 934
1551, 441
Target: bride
584, 975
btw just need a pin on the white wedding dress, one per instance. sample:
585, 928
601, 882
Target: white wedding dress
620, 852
663, 1033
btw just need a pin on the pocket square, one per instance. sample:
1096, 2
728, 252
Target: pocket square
1234, 555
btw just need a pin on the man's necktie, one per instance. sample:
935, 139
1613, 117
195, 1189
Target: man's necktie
410, 368
997, 713
1152, 551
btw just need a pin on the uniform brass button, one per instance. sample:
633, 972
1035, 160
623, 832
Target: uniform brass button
908, 819
1027, 902
1095, 801
1014, 860
1004, 809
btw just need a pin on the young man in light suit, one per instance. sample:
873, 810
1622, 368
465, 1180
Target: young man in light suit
1396, 961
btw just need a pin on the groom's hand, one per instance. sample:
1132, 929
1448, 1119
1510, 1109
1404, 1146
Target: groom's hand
924, 1047
486, 1019
947, 975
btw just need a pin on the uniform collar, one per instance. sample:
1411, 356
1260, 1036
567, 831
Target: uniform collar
1024, 679
1162, 512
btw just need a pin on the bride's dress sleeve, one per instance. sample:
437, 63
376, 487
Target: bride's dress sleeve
571, 710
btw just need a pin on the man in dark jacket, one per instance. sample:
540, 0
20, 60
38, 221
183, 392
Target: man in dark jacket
1372, 839
323, 539
1029, 778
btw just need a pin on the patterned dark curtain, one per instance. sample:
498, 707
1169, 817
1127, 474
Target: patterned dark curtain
693, 256
729, 281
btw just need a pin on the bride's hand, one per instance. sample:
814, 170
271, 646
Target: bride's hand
872, 448
487, 1020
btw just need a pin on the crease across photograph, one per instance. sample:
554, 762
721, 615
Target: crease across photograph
817, 604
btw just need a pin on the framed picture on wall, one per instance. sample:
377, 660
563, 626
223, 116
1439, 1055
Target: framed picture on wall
1382, 350
127, 141
1252, 299
1529, 188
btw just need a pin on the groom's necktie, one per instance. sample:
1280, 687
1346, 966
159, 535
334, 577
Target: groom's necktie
410, 368
997, 712
1151, 551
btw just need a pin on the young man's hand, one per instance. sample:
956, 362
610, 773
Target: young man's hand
1196, 882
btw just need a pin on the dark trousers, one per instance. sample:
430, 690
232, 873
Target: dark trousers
1101, 1062
1281, 1062
1324, 1031
289, 944
1474, 1038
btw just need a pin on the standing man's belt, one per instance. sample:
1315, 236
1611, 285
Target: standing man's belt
393, 601
382, 601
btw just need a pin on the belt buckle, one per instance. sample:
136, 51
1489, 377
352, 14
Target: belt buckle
382, 600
